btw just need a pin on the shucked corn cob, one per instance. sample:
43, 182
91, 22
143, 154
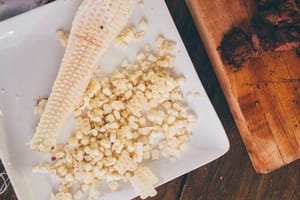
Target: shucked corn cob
95, 26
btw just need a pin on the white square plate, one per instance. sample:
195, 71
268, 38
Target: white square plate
30, 57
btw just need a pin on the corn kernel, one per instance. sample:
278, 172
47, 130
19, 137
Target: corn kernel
113, 185
155, 154
143, 23
141, 4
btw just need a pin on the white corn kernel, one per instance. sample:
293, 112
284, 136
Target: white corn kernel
146, 155
159, 41
113, 185
147, 47
143, 23
110, 118
141, 4
117, 105
155, 154
78, 195
139, 35
141, 56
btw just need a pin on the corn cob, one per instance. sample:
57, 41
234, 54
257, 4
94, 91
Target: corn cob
95, 26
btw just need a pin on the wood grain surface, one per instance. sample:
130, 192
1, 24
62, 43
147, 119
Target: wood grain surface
264, 95
231, 177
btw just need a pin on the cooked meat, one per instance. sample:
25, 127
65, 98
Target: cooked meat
276, 38
237, 47
283, 14
287, 39
265, 34
275, 27
264, 4
297, 3
256, 43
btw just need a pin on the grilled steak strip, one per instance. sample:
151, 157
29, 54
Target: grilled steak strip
275, 27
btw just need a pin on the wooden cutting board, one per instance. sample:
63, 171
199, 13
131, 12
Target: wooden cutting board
264, 95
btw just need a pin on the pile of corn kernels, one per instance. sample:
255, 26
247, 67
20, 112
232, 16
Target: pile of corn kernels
133, 115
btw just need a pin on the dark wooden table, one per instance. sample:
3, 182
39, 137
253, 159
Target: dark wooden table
232, 176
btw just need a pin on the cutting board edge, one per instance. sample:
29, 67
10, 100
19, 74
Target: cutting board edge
232, 101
